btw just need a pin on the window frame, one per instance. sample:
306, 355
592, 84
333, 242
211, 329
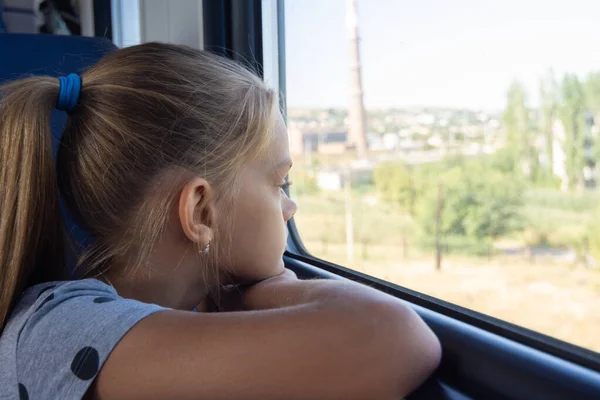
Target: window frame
234, 30
478, 364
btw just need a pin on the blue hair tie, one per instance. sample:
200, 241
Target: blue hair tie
70, 86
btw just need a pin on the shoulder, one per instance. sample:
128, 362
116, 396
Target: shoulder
40, 295
66, 332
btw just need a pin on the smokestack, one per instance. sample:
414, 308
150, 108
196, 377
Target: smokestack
356, 111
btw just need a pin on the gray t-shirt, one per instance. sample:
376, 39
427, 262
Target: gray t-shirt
60, 334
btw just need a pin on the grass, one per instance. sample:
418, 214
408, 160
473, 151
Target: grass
553, 199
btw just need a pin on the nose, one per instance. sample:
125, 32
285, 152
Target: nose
290, 209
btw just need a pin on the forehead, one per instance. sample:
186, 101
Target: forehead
278, 148
274, 155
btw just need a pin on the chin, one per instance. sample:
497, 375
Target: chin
259, 273
276, 269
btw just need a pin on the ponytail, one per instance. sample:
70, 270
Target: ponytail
31, 229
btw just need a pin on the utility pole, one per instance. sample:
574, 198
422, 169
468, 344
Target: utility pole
356, 113
349, 223
438, 226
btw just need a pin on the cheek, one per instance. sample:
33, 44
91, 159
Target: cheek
258, 236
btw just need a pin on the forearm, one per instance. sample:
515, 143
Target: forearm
288, 291
390, 331
398, 333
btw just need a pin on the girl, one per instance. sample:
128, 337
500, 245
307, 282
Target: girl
175, 162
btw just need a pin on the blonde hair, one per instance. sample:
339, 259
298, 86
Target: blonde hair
143, 112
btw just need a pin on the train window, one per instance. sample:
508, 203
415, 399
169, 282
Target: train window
450, 147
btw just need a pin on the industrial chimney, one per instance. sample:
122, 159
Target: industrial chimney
356, 112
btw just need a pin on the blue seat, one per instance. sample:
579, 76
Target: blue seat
27, 55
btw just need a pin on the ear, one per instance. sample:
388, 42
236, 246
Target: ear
196, 211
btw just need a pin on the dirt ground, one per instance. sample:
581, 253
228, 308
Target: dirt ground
553, 298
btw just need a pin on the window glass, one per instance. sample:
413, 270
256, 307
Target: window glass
450, 147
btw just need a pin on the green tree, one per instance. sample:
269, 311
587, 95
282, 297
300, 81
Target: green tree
494, 204
520, 138
591, 88
503, 161
480, 204
453, 210
592, 96
548, 112
396, 184
571, 115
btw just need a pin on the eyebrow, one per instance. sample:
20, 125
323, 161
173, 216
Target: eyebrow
287, 162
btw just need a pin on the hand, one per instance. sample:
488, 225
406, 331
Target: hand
226, 298
234, 278
232, 297
207, 305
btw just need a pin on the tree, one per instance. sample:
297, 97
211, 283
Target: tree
503, 161
571, 115
520, 138
396, 184
591, 88
494, 206
472, 201
548, 112
441, 210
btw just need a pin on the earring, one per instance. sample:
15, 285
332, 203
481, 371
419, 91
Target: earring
205, 251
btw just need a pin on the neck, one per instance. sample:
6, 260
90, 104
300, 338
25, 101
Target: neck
158, 288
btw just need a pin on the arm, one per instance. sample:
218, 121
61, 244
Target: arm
303, 340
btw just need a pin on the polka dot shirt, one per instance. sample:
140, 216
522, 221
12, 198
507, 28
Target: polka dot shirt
60, 334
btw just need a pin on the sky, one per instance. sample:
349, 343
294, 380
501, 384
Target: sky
447, 53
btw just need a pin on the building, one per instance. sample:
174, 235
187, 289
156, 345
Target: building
360, 174
327, 141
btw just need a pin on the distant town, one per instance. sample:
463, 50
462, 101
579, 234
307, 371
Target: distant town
415, 135
418, 128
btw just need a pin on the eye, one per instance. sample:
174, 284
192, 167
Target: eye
286, 185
